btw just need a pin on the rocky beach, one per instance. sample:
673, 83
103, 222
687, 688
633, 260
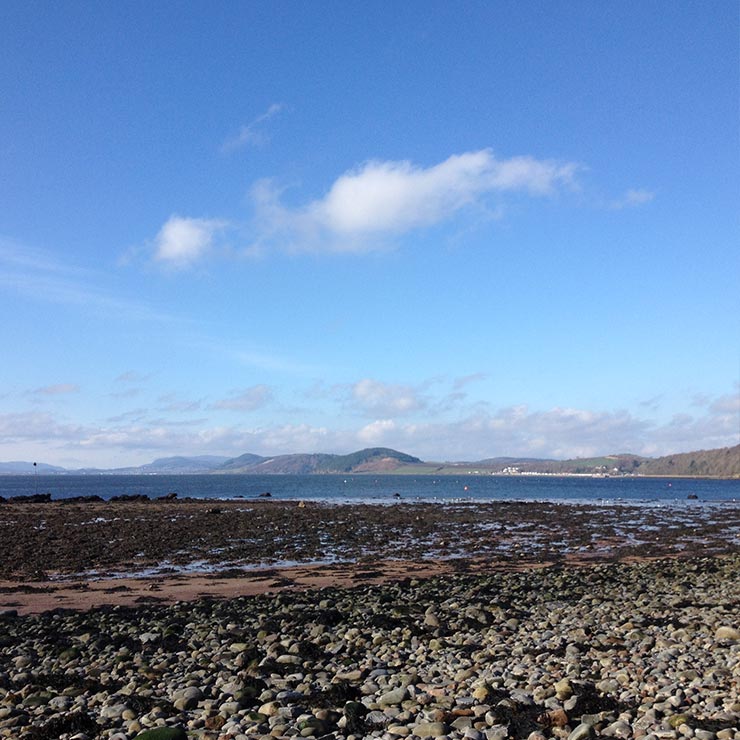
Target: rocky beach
165, 620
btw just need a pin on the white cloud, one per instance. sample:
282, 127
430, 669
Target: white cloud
249, 399
31, 426
375, 398
250, 134
557, 433
518, 431
632, 198
560, 432
389, 198
376, 432
183, 241
142, 442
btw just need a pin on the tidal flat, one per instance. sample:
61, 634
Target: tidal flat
236, 620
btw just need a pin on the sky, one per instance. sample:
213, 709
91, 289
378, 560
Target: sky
459, 229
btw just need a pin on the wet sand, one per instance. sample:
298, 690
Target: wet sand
82, 555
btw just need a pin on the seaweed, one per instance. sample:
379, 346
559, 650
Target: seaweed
67, 724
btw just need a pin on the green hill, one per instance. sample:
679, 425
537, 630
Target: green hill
722, 463
371, 460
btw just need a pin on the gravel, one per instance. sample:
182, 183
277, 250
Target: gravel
645, 650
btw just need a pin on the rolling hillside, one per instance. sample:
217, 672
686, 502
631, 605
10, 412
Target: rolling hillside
372, 460
720, 463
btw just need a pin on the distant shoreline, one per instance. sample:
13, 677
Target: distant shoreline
386, 474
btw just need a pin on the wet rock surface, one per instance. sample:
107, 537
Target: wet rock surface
98, 538
643, 650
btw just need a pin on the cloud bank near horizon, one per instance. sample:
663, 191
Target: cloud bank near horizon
557, 433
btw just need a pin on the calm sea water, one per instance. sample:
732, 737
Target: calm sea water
382, 489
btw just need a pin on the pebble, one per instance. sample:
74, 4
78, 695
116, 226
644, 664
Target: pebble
641, 651
727, 633
582, 732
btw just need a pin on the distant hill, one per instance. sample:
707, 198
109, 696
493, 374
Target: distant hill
372, 460
724, 463
721, 463
604, 464
174, 465
20, 467
236, 464
609, 464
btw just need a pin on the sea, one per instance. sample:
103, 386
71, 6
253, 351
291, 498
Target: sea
385, 489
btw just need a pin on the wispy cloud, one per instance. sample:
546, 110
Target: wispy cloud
391, 198
170, 403
183, 241
728, 405
465, 380
250, 399
375, 398
252, 134
38, 276
131, 376
126, 393
631, 199
56, 390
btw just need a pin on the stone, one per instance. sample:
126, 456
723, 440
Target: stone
269, 709
676, 720
481, 693
620, 728
556, 718
563, 689
393, 697
431, 620
112, 711
311, 726
462, 723
38, 700
582, 732
472, 734
430, 729
399, 730
727, 633
288, 659
163, 733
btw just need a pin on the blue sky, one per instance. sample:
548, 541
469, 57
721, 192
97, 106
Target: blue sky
462, 230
